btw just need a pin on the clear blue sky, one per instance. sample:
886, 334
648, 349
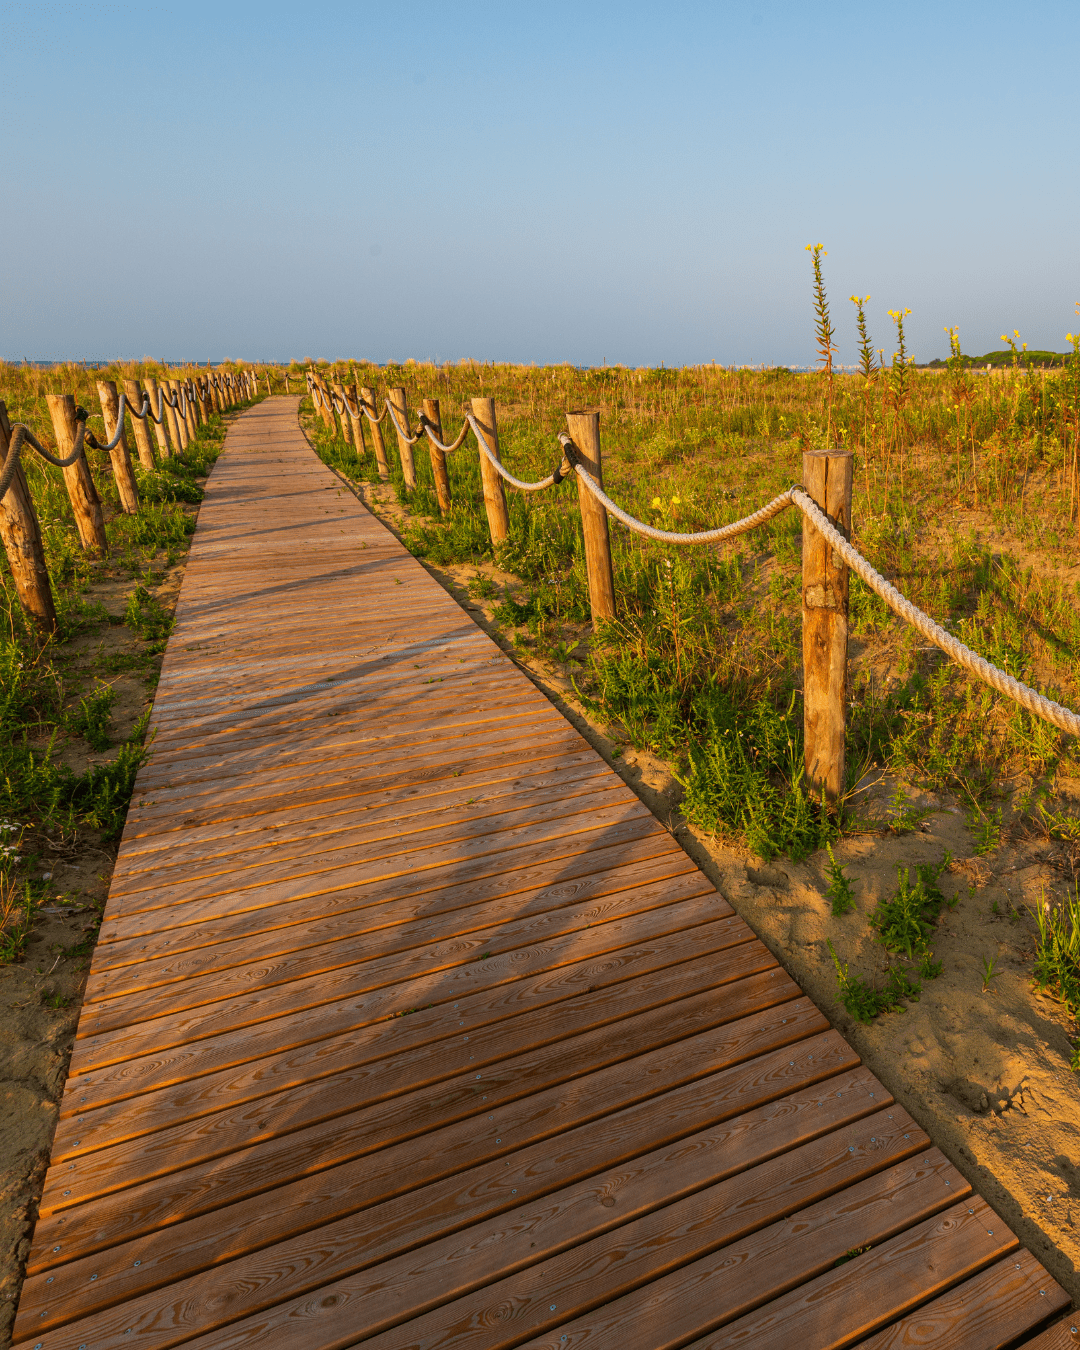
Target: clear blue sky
534, 182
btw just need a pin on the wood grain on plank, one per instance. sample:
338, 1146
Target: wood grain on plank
841, 1306
1064, 1335
988, 1312
674, 968
231, 1004
303, 1130
266, 1276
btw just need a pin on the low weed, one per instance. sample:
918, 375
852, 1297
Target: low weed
745, 773
16, 917
985, 826
905, 923
146, 616
865, 1001
90, 717
482, 587
1057, 951
101, 795
903, 816
839, 890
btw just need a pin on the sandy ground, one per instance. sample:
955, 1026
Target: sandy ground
985, 1071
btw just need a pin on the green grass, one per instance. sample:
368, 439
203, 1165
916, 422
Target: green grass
1057, 955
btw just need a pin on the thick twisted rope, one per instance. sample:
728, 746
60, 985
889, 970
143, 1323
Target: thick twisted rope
1029, 699
20, 434
485, 449
715, 536
370, 414
428, 427
403, 432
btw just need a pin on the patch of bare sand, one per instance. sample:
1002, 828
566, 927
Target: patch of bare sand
985, 1073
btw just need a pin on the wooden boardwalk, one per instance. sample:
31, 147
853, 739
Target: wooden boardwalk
410, 1026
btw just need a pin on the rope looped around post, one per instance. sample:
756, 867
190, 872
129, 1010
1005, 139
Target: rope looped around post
21, 434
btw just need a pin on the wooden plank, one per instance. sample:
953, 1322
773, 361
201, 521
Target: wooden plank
648, 945
989, 1312
302, 784
515, 1238
525, 869
147, 846
357, 1110
226, 1292
439, 971
262, 748
597, 1270
579, 879
670, 961
492, 928
1064, 1336
795, 1254
586, 796
843, 1305
174, 1094
402, 856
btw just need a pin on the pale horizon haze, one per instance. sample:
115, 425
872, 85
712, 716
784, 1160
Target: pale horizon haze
585, 182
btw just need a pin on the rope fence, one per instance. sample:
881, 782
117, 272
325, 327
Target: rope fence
823, 500
175, 409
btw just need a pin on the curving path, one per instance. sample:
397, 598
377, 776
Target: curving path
410, 1026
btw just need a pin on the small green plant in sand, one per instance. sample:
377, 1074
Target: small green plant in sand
16, 917
865, 1001
904, 924
90, 717
985, 826
839, 890
1057, 954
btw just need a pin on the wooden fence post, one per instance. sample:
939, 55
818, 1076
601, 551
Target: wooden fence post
399, 403
134, 396
85, 502
21, 533
121, 460
189, 412
161, 429
584, 429
483, 409
177, 426
326, 411
438, 457
827, 479
358, 422
368, 396
343, 416
269, 391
